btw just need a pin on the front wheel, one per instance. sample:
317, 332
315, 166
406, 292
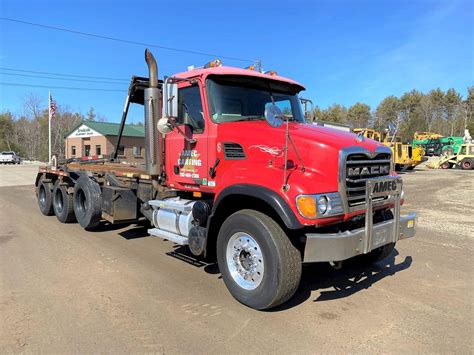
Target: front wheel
378, 254
259, 265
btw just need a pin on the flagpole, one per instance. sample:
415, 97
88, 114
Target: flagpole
49, 127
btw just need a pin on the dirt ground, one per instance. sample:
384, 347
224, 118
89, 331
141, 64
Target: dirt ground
116, 290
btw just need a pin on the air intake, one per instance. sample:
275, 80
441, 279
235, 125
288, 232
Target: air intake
233, 151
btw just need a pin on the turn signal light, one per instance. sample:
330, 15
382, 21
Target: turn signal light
213, 64
306, 206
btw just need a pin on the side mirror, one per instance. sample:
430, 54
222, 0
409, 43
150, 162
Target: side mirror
170, 100
305, 103
274, 115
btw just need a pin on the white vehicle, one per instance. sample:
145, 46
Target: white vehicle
9, 158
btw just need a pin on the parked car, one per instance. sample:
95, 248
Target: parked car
9, 158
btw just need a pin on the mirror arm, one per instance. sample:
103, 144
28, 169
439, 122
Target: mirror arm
180, 131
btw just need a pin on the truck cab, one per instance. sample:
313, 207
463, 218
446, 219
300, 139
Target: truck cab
234, 172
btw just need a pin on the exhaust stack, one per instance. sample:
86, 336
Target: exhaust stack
152, 102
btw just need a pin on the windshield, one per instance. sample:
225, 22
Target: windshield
237, 98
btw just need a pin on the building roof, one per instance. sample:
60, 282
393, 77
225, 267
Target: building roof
112, 129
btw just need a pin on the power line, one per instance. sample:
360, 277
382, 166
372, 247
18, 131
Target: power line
49, 77
59, 74
60, 87
124, 40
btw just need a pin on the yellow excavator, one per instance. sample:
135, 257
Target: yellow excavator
405, 157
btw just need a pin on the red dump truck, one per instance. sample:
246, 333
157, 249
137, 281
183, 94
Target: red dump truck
233, 172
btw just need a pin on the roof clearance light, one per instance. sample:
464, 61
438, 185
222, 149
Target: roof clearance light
250, 67
213, 64
271, 72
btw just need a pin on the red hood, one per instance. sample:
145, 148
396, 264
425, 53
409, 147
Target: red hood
318, 148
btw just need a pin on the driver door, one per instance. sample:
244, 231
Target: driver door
186, 161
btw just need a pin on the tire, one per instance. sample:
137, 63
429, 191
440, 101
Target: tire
446, 165
378, 254
466, 164
382, 252
63, 205
44, 195
262, 242
86, 199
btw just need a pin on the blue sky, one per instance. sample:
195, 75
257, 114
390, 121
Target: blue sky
342, 51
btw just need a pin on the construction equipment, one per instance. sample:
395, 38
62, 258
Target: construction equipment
421, 136
463, 160
435, 144
404, 156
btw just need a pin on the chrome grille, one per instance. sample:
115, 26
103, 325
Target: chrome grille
355, 185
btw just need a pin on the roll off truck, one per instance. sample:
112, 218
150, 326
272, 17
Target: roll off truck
233, 172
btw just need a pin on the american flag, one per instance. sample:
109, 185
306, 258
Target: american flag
52, 106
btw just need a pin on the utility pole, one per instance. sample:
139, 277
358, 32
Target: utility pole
49, 127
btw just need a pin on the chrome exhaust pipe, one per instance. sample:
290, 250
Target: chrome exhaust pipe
152, 102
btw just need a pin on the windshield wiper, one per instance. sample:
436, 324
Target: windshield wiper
249, 118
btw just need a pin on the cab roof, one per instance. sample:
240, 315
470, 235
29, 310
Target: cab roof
224, 70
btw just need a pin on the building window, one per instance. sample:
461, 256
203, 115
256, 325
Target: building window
121, 150
98, 151
73, 150
137, 151
87, 150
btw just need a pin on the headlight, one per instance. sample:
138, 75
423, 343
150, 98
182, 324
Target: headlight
320, 205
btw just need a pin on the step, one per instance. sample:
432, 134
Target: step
172, 237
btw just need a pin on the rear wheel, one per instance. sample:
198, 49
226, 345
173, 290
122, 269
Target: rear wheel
63, 204
259, 265
466, 164
87, 202
44, 194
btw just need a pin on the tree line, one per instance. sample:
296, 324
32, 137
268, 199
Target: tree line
443, 112
27, 133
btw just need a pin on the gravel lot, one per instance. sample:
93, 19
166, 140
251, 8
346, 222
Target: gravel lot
115, 290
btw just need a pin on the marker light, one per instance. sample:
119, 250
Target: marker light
270, 72
213, 64
250, 67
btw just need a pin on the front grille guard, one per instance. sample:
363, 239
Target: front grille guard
344, 153
369, 198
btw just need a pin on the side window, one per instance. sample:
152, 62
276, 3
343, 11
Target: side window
190, 108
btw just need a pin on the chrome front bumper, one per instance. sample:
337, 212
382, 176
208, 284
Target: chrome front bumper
345, 245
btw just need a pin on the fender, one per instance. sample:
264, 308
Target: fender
269, 196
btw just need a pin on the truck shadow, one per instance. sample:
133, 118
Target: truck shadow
336, 284
332, 284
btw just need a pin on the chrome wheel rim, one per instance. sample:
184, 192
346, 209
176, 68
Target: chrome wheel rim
245, 260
